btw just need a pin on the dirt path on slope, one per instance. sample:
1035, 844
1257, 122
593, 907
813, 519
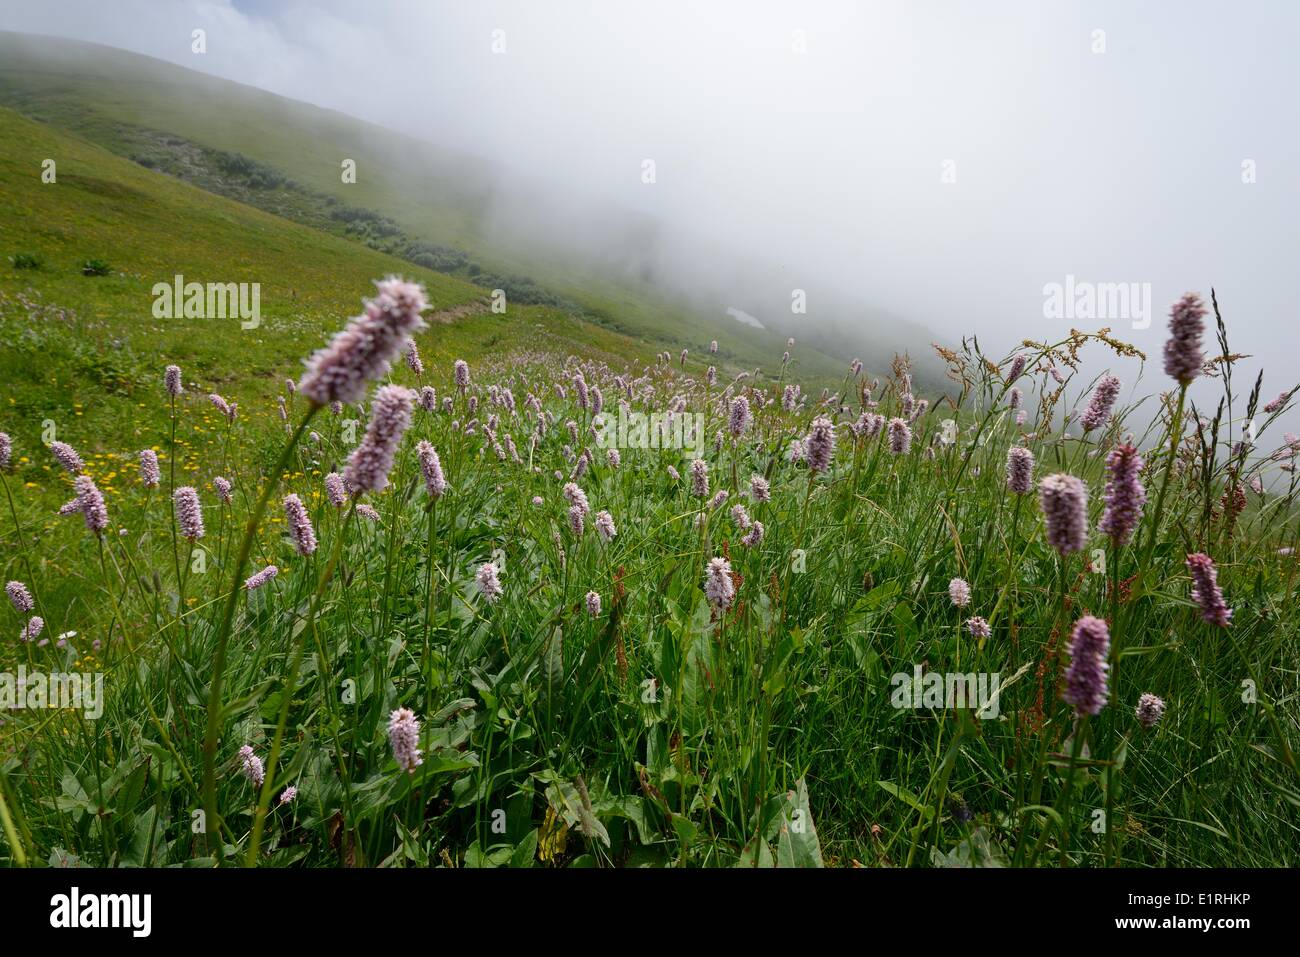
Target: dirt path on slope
457, 312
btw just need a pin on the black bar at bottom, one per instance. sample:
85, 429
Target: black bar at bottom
236, 907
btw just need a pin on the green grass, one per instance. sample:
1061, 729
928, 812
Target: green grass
147, 228
661, 731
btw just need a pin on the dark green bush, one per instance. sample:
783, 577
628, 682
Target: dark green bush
253, 174
432, 256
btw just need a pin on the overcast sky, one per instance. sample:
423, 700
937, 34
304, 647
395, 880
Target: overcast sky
819, 136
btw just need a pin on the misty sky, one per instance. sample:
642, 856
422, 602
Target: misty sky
1117, 166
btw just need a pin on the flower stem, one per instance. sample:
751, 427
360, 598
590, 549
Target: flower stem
223, 632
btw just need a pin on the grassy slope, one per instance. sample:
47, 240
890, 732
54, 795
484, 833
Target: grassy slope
149, 227
102, 93
82, 356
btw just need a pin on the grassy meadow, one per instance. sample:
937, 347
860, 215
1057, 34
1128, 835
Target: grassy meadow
590, 649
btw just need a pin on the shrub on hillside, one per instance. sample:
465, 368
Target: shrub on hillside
431, 256
522, 290
249, 171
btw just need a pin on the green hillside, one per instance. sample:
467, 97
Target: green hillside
99, 345
284, 156
82, 356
